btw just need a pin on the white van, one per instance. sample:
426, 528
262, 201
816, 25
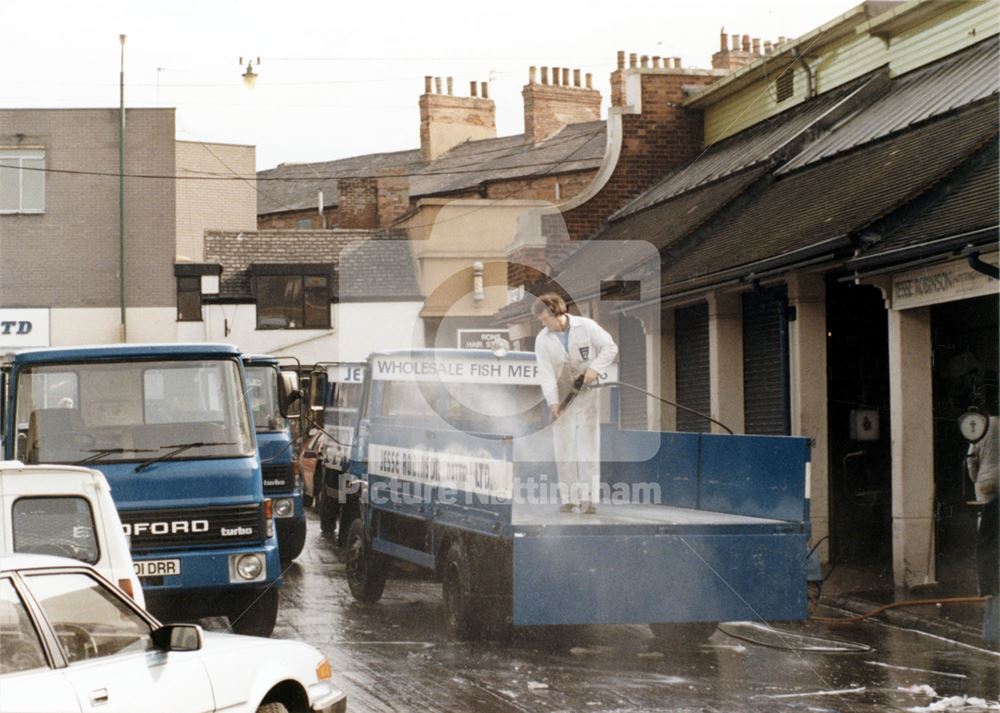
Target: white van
66, 511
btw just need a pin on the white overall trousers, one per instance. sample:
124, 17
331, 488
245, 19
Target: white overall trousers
576, 433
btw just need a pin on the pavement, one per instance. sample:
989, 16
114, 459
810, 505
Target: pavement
860, 590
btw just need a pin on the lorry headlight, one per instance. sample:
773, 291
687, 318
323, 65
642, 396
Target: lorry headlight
249, 567
283, 507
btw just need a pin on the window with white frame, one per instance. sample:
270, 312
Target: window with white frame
22, 180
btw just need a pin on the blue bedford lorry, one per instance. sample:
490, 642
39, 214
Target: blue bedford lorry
282, 484
454, 466
170, 428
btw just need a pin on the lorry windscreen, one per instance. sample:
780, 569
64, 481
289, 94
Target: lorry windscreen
262, 386
124, 410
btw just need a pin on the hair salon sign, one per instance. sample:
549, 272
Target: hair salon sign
21, 328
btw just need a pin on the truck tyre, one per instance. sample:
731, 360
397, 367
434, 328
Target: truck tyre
366, 569
291, 544
257, 615
456, 588
686, 634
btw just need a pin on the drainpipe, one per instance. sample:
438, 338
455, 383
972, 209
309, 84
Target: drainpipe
977, 264
810, 83
121, 191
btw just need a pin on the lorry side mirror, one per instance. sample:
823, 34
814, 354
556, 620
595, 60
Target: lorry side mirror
288, 393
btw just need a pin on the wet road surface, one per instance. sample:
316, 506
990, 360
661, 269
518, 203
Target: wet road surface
395, 656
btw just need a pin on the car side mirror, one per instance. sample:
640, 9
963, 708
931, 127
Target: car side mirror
178, 637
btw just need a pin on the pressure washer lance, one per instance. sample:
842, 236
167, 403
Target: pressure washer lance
579, 385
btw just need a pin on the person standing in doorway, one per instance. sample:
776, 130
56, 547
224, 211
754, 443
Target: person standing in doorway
983, 462
567, 348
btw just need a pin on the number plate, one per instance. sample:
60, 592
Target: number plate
156, 568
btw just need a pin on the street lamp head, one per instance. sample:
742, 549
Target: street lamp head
249, 76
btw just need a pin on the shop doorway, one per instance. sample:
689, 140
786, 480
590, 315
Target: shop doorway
965, 357
860, 465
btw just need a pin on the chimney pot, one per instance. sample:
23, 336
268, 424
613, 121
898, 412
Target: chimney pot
756, 46
427, 84
656, 62
746, 43
621, 59
472, 89
768, 47
451, 86
545, 75
532, 71
723, 46
556, 76
590, 80
576, 77
437, 85
484, 90
736, 42
781, 39
565, 78
644, 61
677, 63
633, 59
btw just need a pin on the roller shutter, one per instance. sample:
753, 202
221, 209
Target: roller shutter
692, 373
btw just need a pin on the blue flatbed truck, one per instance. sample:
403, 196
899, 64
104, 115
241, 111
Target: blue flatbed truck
267, 390
453, 463
170, 427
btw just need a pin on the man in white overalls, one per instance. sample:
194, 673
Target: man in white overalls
567, 347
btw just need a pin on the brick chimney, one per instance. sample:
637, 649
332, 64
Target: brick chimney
549, 107
742, 51
447, 120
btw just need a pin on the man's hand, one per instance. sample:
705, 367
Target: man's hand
554, 411
590, 376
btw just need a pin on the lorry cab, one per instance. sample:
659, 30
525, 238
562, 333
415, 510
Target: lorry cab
65, 511
335, 400
170, 428
269, 399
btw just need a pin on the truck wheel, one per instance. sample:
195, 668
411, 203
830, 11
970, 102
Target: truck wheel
366, 569
328, 509
258, 614
684, 634
456, 588
291, 544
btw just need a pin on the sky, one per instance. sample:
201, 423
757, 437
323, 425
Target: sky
340, 79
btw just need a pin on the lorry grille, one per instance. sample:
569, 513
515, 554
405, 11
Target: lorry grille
230, 525
278, 478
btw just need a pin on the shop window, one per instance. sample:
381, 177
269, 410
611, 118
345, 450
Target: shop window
292, 301
189, 299
22, 181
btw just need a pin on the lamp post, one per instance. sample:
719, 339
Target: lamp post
122, 334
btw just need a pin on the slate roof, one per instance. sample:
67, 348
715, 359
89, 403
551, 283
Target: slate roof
577, 147
294, 186
359, 272
830, 200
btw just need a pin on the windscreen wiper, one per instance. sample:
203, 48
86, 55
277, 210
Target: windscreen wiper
180, 448
99, 453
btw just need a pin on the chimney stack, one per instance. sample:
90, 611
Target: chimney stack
742, 50
548, 108
447, 120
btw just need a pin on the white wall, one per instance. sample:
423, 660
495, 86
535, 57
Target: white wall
358, 330
71, 326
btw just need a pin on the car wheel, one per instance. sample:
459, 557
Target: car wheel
366, 570
456, 588
684, 634
293, 540
258, 615
273, 707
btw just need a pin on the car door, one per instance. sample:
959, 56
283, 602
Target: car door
24, 667
114, 666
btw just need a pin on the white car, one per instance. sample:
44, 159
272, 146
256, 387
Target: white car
70, 641
65, 511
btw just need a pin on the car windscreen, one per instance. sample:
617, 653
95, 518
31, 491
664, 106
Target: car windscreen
131, 410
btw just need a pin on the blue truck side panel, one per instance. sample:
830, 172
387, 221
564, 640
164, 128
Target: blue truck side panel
660, 578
